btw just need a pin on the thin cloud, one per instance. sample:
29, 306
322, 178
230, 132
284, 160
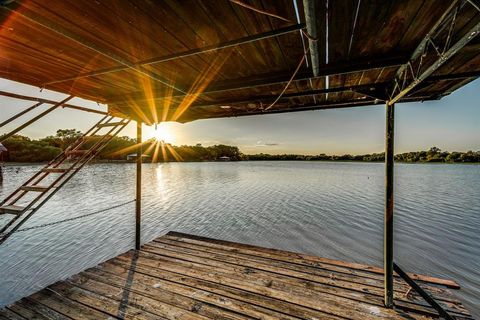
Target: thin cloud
261, 143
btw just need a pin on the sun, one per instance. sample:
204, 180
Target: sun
161, 132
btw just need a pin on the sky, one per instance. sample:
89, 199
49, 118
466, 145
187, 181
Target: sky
452, 124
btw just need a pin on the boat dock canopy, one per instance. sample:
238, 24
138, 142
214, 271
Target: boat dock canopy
179, 276
186, 60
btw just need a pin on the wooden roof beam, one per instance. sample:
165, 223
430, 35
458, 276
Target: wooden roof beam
184, 54
454, 76
362, 89
317, 106
278, 78
328, 70
193, 114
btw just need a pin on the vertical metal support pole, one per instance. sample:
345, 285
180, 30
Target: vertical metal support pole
388, 219
138, 202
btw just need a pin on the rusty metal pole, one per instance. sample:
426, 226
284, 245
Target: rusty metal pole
388, 219
138, 202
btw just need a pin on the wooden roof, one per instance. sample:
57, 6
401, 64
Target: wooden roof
160, 60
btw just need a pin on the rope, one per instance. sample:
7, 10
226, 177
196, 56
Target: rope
289, 81
270, 14
74, 218
242, 4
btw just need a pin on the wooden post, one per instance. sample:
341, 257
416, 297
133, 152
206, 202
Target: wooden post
388, 219
138, 202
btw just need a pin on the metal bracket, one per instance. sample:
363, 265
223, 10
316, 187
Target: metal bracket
434, 50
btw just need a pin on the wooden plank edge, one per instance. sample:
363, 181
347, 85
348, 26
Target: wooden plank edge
357, 266
331, 269
8, 314
406, 305
151, 248
251, 298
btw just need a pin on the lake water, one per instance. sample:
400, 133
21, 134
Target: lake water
329, 209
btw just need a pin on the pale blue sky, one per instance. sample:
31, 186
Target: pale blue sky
450, 124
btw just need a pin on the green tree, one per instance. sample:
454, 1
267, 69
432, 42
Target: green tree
63, 138
23, 149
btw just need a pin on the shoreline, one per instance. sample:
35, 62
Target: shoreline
22, 164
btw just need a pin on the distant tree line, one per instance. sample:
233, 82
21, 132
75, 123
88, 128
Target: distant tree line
434, 154
201, 153
24, 149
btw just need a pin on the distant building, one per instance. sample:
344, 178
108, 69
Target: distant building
133, 157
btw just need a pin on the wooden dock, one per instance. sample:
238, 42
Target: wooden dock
179, 276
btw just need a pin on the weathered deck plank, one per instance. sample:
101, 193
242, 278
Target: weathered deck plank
342, 277
330, 284
298, 257
257, 303
180, 276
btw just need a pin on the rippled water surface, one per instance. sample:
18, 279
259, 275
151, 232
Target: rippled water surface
328, 209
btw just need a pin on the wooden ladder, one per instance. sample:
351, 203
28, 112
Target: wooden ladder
63, 167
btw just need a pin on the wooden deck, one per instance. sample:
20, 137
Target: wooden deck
179, 276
